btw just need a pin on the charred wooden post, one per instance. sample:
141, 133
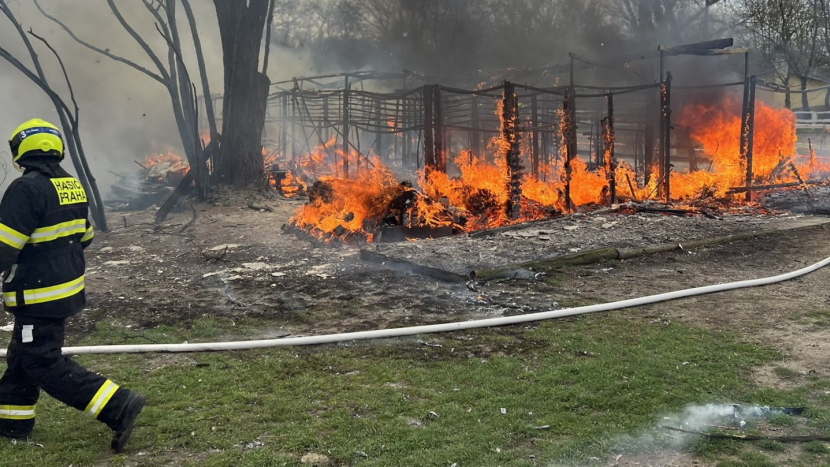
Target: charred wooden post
601, 130
661, 145
665, 136
509, 134
662, 61
325, 131
429, 141
360, 104
572, 141
379, 127
405, 134
346, 129
475, 135
396, 128
608, 149
750, 135
648, 146
292, 117
284, 127
744, 121
534, 123
301, 109
568, 131
440, 134
593, 149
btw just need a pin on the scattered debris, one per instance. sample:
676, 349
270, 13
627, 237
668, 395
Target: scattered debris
151, 185
226, 246
259, 207
318, 460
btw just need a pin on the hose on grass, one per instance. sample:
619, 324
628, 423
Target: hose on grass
436, 328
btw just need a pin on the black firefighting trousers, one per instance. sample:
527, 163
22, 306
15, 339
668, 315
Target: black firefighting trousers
35, 362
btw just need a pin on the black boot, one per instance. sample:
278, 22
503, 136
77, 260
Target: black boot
14, 434
135, 402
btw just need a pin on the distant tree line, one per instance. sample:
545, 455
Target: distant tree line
790, 38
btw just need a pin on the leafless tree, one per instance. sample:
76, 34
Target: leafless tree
69, 118
787, 34
443, 38
665, 21
238, 161
173, 76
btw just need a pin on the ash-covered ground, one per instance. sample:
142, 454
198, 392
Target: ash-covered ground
234, 263
623, 227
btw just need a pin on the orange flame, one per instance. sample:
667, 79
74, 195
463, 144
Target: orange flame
717, 128
474, 193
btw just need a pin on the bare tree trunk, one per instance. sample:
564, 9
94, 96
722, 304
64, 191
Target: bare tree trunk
197, 43
239, 158
787, 97
805, 99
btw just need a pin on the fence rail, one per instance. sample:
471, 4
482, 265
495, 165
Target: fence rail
812, 120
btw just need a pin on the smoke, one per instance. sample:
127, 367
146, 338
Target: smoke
699, 418
124, 114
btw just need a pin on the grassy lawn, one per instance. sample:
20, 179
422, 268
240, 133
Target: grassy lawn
590, 380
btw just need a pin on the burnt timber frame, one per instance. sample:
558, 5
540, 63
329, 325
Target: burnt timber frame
431, 117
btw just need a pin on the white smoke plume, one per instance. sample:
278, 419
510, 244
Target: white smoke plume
698, 418
125, 115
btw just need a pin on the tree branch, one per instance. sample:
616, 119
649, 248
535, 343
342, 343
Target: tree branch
200, 58
97, 49
141, 42
70, 127
65, 74
268, 28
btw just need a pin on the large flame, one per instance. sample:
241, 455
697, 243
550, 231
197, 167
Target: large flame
717, 129
352, 195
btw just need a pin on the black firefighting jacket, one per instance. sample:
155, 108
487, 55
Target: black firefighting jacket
43, 232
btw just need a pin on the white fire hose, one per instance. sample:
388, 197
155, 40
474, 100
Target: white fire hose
433, 328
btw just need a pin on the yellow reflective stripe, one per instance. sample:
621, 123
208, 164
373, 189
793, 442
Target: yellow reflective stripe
10, 298
55, 292
88, 235
17, 412
100, 399
53, 232
12, 237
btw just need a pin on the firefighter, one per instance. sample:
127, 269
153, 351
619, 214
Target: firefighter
43, 233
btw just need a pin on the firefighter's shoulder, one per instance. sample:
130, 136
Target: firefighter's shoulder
25, 187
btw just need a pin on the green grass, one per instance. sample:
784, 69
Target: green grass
782, 420
590, 380
749, 459
816, 447
820, 318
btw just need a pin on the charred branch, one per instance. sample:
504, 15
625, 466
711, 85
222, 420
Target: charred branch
175, 77
68, 122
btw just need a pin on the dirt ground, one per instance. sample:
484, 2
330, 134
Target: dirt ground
232, 262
